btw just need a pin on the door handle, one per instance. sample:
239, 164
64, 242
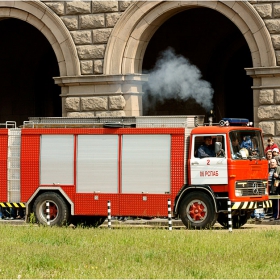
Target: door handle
195, 163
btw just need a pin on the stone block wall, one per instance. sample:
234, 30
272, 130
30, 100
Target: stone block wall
90, 24
268, 111
101, 106
270, 13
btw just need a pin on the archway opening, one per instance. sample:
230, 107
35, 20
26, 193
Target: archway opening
212, 43
27, 67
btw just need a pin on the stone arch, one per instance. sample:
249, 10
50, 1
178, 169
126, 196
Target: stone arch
47, 22
130, 37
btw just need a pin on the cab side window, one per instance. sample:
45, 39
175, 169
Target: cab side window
198, 142
204, 146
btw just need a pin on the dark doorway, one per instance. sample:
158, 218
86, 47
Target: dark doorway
215, 45
27, 67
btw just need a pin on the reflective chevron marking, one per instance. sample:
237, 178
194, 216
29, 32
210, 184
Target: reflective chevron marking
251, 205
12, 204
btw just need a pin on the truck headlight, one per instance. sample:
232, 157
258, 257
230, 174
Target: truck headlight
238, 192
266, 188
266, 191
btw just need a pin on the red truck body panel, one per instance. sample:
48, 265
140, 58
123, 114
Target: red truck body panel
86, 204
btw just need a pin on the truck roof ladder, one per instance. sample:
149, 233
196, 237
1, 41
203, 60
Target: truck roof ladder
188, 121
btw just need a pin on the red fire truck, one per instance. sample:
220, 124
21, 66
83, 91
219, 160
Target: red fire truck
136, 163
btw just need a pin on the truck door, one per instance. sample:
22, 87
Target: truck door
205, 169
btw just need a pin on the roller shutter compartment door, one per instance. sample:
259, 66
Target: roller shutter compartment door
57, 160
146, 164
97, 164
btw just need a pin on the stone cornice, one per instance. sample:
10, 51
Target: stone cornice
258, 72
100, 79
94, 94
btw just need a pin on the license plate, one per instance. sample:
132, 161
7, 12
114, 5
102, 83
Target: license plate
259, 211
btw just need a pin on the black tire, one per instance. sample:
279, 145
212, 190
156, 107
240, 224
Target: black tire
59, 211
223, 220
91, 221
237, 220
197, 211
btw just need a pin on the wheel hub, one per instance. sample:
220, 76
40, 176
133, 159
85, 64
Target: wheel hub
197, 211
53, 212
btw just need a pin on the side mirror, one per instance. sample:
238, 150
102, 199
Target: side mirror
218, 147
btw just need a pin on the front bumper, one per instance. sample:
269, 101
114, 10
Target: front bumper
251, 205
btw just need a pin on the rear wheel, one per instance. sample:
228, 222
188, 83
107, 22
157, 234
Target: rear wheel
197, 211
58, 209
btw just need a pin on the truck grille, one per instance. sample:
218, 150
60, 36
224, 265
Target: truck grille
251, 188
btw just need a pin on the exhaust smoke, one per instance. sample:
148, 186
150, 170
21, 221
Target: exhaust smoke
175, 77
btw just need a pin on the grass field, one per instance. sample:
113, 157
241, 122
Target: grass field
44, 252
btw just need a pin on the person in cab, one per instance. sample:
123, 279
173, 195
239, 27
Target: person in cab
246, 143
207, 149
235, 145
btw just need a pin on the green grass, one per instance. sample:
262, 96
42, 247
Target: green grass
45, 252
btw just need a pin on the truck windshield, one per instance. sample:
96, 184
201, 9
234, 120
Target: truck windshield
246, 144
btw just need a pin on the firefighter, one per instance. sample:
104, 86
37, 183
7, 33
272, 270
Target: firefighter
246, 143
206, 150
235, 145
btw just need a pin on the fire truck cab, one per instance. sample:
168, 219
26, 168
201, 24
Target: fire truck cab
136, 163
235, 173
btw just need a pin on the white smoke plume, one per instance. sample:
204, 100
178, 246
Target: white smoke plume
175, 77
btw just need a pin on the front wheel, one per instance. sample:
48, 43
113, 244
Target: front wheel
58, 209
237, 220
197, 211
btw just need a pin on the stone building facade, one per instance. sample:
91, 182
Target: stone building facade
100, 45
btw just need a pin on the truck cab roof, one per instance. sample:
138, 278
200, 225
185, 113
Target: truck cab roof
219, 129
